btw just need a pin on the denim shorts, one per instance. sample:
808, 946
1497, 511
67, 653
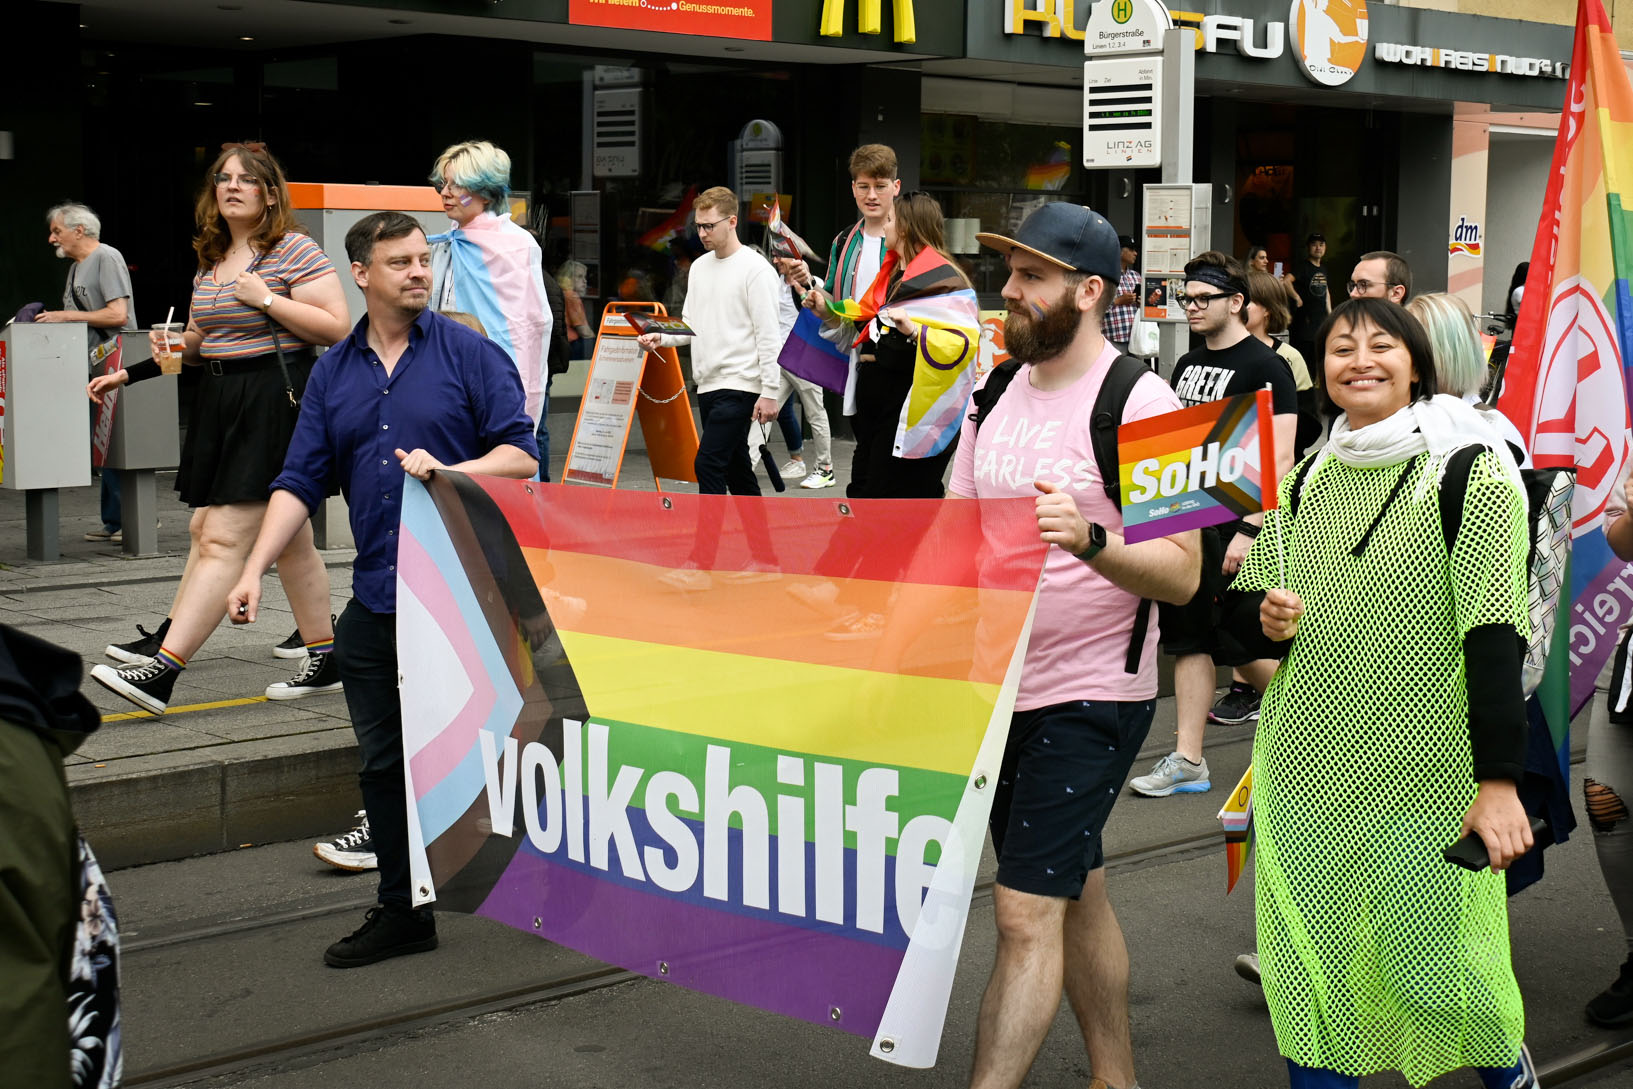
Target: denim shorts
1063, 768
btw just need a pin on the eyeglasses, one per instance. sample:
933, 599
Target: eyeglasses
1200, 302
452, 187
705, 228
1361, 287
247, 181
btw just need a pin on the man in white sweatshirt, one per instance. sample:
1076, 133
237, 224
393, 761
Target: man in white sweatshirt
731, 306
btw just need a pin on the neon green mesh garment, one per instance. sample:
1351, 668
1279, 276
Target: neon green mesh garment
1377, 954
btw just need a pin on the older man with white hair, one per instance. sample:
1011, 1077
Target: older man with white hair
98, 294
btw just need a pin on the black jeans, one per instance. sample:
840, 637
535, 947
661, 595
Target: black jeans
366, 655
882, 388
722, 463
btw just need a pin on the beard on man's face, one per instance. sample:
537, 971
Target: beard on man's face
1032, 338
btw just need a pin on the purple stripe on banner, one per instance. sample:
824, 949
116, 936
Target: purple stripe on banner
1601, 604
1179, 523
755, 962
806, 355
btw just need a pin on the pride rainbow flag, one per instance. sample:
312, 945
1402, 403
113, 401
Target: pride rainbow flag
1567, 379
672, 226
629, 728
1200, 466
497, 274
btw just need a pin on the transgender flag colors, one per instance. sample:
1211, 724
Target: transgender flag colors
630, 728
1200, 466
1566, 383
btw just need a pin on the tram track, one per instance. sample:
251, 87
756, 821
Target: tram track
340, 1040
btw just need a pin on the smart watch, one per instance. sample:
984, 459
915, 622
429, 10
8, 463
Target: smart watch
1097, 542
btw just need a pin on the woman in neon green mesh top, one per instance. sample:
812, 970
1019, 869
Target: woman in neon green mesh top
1394, 725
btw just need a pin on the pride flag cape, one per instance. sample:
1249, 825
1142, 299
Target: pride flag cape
498, 275
1566, 383
807, 354
937, 299
625, 732
1197, 467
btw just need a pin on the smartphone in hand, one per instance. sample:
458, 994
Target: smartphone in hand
1471, 854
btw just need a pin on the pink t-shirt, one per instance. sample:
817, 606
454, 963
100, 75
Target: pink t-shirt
1083, 622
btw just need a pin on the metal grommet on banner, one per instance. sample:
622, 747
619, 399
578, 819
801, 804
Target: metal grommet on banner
834, 1014
528, 488
538, 923
663, 967
886, 1045
668, 503
844, 509
424, 891
980, 781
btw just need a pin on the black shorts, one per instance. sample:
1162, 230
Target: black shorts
1197, 627
239, 430
1063, 769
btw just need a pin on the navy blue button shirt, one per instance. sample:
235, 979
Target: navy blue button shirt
453, 393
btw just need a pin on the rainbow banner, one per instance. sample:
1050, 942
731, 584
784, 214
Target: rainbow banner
673, 226
1200, 466
497, 273
643, 726
1566, 383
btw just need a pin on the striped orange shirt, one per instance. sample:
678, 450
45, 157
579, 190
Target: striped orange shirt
235, 331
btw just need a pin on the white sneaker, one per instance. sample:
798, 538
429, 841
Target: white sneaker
792, 469
352, 851
1173, 774
820, 477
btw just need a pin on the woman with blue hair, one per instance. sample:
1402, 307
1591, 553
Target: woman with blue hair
489, 266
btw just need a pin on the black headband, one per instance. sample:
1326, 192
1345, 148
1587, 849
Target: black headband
1220, 277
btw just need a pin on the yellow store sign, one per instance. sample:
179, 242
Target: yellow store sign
868, 18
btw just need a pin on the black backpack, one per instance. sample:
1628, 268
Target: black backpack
1548, 530
1125, 373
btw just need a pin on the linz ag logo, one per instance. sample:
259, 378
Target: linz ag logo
1129, 148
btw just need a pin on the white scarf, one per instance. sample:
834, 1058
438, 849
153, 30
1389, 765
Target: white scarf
1439, 425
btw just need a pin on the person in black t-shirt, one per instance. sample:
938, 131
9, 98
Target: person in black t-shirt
1231, 362
1313, 293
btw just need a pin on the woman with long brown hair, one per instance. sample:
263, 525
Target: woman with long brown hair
263, 296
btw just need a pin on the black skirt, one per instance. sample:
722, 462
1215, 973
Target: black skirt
239, 429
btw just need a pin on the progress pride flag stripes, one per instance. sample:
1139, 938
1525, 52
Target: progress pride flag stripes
701, 784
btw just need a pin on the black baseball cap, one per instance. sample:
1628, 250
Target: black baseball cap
1127, 242
1314, 236
1068, 235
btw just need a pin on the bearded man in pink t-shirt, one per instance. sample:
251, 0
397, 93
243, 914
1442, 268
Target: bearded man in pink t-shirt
1087, 696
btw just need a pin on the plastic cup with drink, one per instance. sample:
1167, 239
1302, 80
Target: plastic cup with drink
169, 341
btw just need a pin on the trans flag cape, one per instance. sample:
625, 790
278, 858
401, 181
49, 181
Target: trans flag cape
1566, 383
941, 303
494, 270
625, 732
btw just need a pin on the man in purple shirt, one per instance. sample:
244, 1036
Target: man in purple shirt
408, 392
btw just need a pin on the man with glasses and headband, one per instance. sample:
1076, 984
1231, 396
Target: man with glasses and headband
1381, 275
1232, 361
731, 307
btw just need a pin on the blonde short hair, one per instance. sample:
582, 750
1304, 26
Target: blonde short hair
1460, 358
718, 199
478, 167
469, 321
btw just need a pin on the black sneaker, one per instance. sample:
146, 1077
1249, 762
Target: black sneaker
353, 851
148, 685
1238, 707
1613, 1007
138, 651
388, 930
318, 674
294, 646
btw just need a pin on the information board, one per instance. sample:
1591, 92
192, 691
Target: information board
626, 381
1122, 112
1178, 225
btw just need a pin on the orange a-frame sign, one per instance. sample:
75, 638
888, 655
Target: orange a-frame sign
624, 381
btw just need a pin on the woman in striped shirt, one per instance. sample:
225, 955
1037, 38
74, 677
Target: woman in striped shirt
264, 295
